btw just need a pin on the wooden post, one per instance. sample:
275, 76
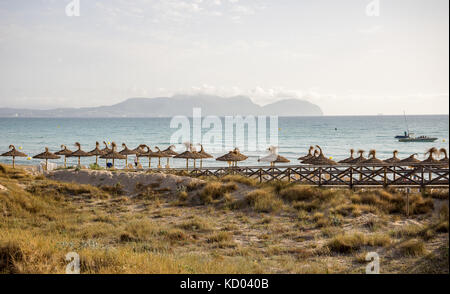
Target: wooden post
408, 190
351, 177
320, 176
65, 158
79, 161
289, 175
14, 162
385, 177
260, 175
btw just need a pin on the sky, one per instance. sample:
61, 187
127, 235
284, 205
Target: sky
350, 57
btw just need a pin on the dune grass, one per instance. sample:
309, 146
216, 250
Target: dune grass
231, 226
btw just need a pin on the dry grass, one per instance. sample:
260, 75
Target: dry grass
271, 228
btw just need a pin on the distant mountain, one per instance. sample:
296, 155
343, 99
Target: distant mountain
176, 105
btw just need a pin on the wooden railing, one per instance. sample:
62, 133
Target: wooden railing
430, 175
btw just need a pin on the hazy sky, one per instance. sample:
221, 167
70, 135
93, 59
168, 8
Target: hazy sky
328, 52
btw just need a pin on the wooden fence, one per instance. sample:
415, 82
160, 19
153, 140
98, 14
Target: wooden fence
421, 176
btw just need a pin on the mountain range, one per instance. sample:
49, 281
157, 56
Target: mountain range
176, 105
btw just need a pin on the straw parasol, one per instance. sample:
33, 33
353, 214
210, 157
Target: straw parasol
445, 159
321, 159
13, 153
159, 154
312, 158
96, 152
281, 159
148, 153
169, 152
430, 160
373, 160
125, 151
139, 150
394, 158
347, 160
309, 155
113, 154
188, 154
271, 157
46, 155
233, 157
359, 159
203, 155
79, 153
106, 149
64, 152
410, 160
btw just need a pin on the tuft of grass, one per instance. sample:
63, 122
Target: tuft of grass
263, 201
10, 254
413, 247
240, 179
216, 191
350, 242
196, 224
220, 237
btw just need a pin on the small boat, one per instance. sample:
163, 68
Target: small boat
409, 137
418, 139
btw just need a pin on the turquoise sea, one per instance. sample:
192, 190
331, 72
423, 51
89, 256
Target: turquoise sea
336, 135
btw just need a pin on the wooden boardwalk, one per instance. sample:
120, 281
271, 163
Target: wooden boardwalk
420, 176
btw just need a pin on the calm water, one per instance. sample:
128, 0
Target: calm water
335, 134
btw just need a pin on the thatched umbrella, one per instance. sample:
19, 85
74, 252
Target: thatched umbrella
308, 156
233, 157
321, 159
281, 159
139, 150
271, 157
373, 160
148, 153
105, 150
113, 154
347, 160
64, 152
169, 152
203, 155
96, 152
430, 160
125, 151
79, 153
410, 160
445, 159
13, 153
188, 154
394, 158
46, 155
359, 159
312, 158
159, 154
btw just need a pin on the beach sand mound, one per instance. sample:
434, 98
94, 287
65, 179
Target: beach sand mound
129, 181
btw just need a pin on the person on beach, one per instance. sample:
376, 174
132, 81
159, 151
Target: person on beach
136, 162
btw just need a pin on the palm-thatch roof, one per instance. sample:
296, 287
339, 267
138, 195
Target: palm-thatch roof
13, 152
321, 159
46, 155
410, 160
312, 158
64, 151
281, 159
445, 159
126, 151
96, 151
79, 153
347, 160
139, 149
233, 156
203, 153
431, 160
169, 151
106, 149
373, 160
358, 159
394, 158
146, 153
309, 155
113, 154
